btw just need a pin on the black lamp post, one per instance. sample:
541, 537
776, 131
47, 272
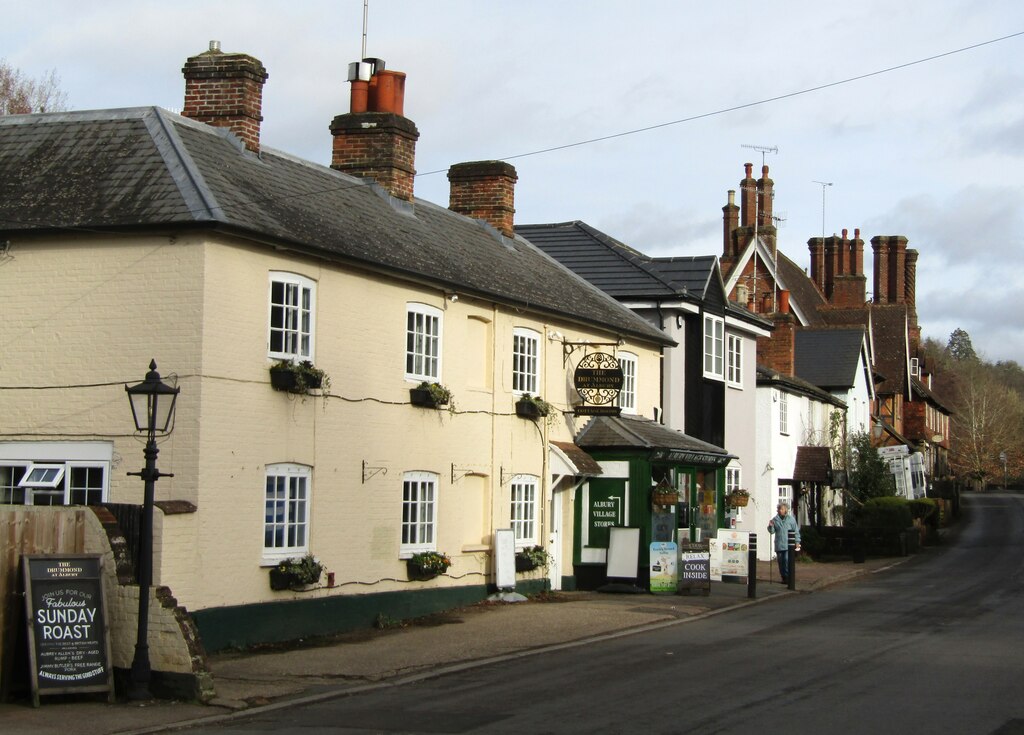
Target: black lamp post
152, 403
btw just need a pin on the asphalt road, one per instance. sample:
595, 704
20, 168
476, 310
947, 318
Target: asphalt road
930, 646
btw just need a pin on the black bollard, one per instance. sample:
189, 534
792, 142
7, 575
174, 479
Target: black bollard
752, 566
791, 571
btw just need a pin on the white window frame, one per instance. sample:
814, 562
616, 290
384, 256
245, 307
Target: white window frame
785, 495
298, 341
734, 368
51, 476
714, 347
422, 347
525, 503
419, 513
525, 361
783, 412
296, 476
63, 455
733, 477
627, 396
734, 481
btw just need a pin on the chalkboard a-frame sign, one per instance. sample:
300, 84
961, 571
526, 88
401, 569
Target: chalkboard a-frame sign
68, 641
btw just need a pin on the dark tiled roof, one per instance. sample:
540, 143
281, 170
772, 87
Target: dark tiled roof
923, 391
767, 376
612, 266
146, 167
813, 464
828, 358
804, 296
625, 273
889, 333
636, 432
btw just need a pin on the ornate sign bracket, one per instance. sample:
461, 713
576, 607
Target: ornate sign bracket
570, 347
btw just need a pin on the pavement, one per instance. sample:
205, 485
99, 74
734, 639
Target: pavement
250, 682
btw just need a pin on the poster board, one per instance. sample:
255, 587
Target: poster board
735, 561
66, 617
623, 552
505, 559
664, 567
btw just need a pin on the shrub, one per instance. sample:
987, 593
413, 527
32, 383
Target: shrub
889, 513
812, 542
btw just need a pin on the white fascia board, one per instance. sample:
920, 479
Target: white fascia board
742, 326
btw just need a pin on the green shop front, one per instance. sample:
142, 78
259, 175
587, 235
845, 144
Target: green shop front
666, 484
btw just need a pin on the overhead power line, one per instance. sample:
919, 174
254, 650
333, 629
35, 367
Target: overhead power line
747, 105
612, 136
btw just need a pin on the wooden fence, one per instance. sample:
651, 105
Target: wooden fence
28, 530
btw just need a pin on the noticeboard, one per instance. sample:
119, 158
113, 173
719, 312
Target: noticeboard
69, 645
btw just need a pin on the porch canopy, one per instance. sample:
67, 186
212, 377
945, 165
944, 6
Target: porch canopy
813, 467
663, 443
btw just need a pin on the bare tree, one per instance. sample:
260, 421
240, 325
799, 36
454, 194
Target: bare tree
20, 94
988, 418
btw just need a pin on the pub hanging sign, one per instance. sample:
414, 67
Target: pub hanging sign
598, 380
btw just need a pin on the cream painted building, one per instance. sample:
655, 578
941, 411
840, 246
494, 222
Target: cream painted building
137, 234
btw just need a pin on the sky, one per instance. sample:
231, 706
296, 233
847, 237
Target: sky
930, 151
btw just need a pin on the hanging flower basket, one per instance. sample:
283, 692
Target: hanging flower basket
662, 497
738, 498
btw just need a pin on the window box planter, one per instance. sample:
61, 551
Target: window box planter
531, 558
427, 565
296, 573
430, 395
297, 377
281, 580
531, 407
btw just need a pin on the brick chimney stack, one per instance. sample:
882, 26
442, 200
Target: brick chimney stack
226, 91
730, 221
765, 198
778, 351
485, 190
374, 140
890, 269
748, 197
837, 269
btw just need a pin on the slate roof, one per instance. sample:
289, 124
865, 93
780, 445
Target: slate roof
803, 294
798, 386
888, 325
828, 358
813, 464
148, 168
625, 273
636, 432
